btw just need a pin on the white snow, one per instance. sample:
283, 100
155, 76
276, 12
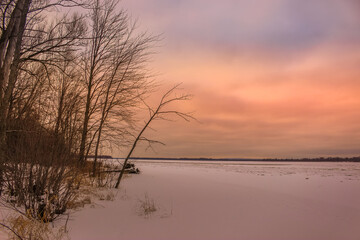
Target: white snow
229, 200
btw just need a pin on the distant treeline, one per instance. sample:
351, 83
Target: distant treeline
321, 159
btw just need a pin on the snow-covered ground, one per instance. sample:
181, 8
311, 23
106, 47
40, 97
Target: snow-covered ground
229, 200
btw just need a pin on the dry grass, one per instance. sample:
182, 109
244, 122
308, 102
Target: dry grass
107, 196
146, 206
79, 202
32, 229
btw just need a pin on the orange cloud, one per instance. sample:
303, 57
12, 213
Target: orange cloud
273, 79
264, 107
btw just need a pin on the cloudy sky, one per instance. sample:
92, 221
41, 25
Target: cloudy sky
270, 78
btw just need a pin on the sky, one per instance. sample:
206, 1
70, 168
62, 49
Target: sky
269, 78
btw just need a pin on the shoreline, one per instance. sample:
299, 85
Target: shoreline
330, 159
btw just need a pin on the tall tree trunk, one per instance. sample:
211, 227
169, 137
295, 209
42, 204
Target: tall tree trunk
10, 48
97, 149
84, 132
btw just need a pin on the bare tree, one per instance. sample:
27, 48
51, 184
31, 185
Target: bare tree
113, 70
25, 38
24, 41
39, 172
14, 20
159, 113
37, 145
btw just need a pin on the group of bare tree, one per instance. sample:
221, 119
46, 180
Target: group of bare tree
70, 84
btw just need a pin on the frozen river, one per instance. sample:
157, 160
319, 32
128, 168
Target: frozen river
230, 200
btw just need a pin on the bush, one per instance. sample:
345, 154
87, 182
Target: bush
39, 174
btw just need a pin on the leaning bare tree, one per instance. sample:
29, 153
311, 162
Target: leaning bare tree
161, 112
